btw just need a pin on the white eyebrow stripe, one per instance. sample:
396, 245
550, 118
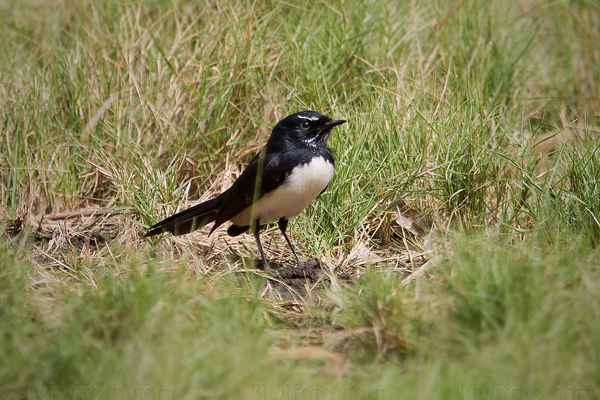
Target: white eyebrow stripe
309, 118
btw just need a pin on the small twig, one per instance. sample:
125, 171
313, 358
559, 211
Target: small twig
82, 213
593, 216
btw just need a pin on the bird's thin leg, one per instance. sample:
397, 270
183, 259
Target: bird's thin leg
282, 227
256, 229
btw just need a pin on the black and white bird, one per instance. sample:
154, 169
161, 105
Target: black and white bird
287, 174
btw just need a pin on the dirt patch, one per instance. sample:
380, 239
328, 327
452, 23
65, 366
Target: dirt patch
296, 280
310, 271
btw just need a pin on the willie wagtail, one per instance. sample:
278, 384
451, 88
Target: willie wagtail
287, 174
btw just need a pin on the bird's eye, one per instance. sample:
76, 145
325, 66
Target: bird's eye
305, 124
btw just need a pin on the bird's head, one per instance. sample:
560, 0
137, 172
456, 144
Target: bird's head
308, 127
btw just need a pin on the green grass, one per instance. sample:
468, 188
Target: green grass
481, 117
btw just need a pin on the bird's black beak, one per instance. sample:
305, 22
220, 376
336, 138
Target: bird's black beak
334, 122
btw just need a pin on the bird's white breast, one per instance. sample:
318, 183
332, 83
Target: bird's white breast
299, 189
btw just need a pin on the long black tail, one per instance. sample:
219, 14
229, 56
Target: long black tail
188, 220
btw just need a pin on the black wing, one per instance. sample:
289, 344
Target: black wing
245, 191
